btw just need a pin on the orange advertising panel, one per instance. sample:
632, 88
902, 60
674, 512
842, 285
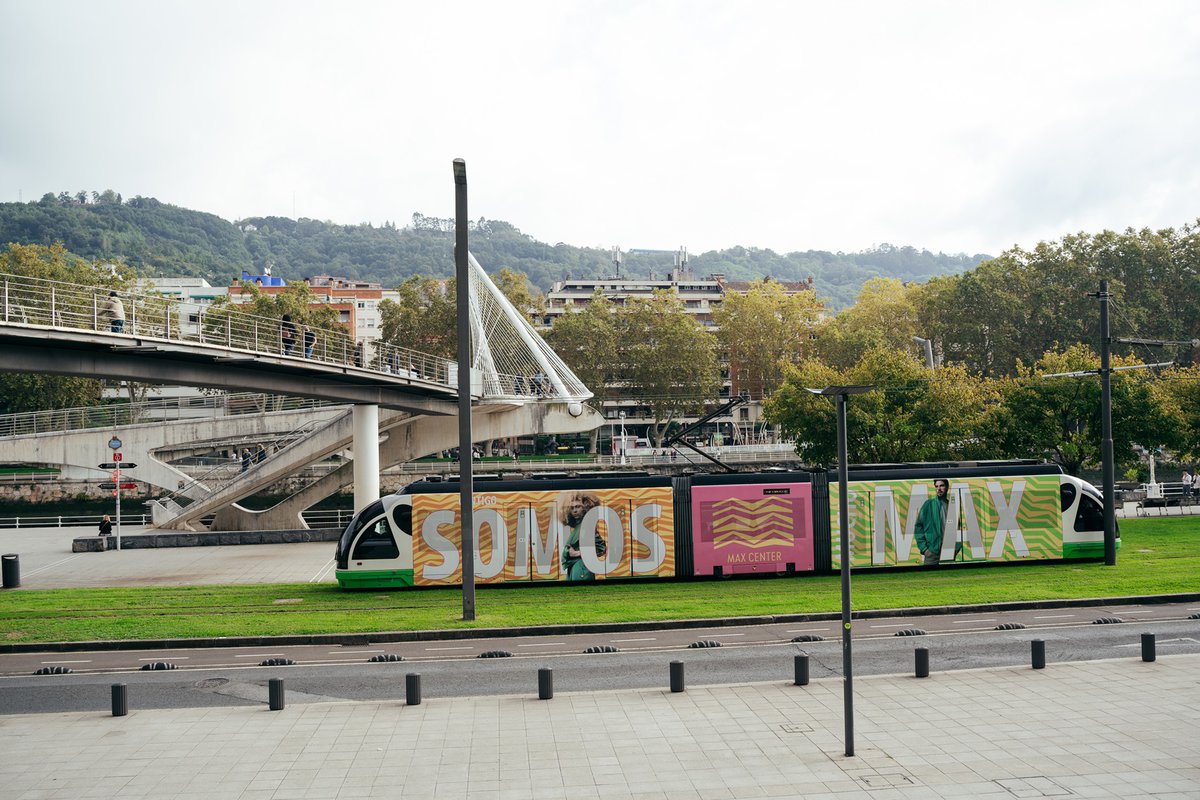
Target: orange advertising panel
575, 534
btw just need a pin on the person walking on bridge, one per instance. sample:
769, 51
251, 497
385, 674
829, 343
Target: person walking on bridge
114, 311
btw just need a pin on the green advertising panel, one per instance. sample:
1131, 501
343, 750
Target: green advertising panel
1014, 518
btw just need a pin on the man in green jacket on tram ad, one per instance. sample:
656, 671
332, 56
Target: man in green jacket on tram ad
931, 523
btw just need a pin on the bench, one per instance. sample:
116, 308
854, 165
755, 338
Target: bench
1162, 496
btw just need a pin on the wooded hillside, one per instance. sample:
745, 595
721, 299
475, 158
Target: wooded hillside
156, 237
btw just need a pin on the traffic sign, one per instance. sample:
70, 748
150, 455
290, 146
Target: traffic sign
118, 456
108, 485
114, 443
114, 465
128, 485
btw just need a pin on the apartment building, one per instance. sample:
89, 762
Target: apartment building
700, 298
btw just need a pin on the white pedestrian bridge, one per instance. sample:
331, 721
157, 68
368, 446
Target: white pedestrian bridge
50, 327
519, 387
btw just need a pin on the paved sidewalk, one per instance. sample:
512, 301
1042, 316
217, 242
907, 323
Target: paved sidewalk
48, 563
1101, 729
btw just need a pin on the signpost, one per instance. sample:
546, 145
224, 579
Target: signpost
114, 444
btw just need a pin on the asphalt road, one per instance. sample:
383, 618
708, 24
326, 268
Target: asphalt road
231, 676
450, 667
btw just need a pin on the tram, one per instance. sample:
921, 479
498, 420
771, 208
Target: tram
662, 527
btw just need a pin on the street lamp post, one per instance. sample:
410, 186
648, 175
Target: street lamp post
466, 465
845, 551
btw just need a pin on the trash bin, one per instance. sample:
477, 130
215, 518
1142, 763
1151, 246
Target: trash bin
11, 570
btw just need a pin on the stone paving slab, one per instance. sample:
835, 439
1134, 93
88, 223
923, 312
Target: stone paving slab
1101, 729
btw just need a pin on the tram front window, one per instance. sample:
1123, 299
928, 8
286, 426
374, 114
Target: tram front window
1090, 516
376, 542
1067, 494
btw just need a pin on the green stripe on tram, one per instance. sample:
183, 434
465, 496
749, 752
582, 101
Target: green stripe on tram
1085, 549
374, 578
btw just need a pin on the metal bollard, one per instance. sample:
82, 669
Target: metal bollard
1038, 649
802, 670
120, 700
1147, 647
275, 693
676, 676
922, 662
545, 683
412, 688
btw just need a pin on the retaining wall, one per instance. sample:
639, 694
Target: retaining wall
139, 541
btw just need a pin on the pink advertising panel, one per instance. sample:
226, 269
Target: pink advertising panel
752, 527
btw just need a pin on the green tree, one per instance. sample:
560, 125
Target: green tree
1059, 418
1178, 390
524, 296
424, 317
884, 316
1026, 302
588, 341
25, 266
762, 329
668, 359
914, 414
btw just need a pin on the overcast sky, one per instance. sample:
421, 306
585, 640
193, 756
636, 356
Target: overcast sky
953, 126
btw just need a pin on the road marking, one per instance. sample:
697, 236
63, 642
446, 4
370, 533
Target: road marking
970, 621
1148, 611
348, 652
83, 661
320, 576
807, 630
1058, 616
542, 644
259, 655
52, 565
468, 647
894, 625
1164, 641
649, 639
173, 658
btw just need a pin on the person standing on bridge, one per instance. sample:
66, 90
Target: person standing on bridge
287, 334
310, 337
114, 311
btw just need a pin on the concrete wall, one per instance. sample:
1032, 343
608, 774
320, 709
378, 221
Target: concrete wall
141, 541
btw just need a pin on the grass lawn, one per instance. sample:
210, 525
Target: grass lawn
1158, 556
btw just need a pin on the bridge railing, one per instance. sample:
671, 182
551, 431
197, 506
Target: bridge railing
158, 410
226, 474
53, 304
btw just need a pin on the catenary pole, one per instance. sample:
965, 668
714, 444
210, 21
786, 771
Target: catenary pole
1106, 442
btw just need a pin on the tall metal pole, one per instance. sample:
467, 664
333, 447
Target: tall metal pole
1106, 441
844, 522
466, 482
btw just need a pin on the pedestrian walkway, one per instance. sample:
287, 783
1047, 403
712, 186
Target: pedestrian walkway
1102, 729
48, 563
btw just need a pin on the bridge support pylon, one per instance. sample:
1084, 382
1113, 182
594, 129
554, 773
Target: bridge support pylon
366, 455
